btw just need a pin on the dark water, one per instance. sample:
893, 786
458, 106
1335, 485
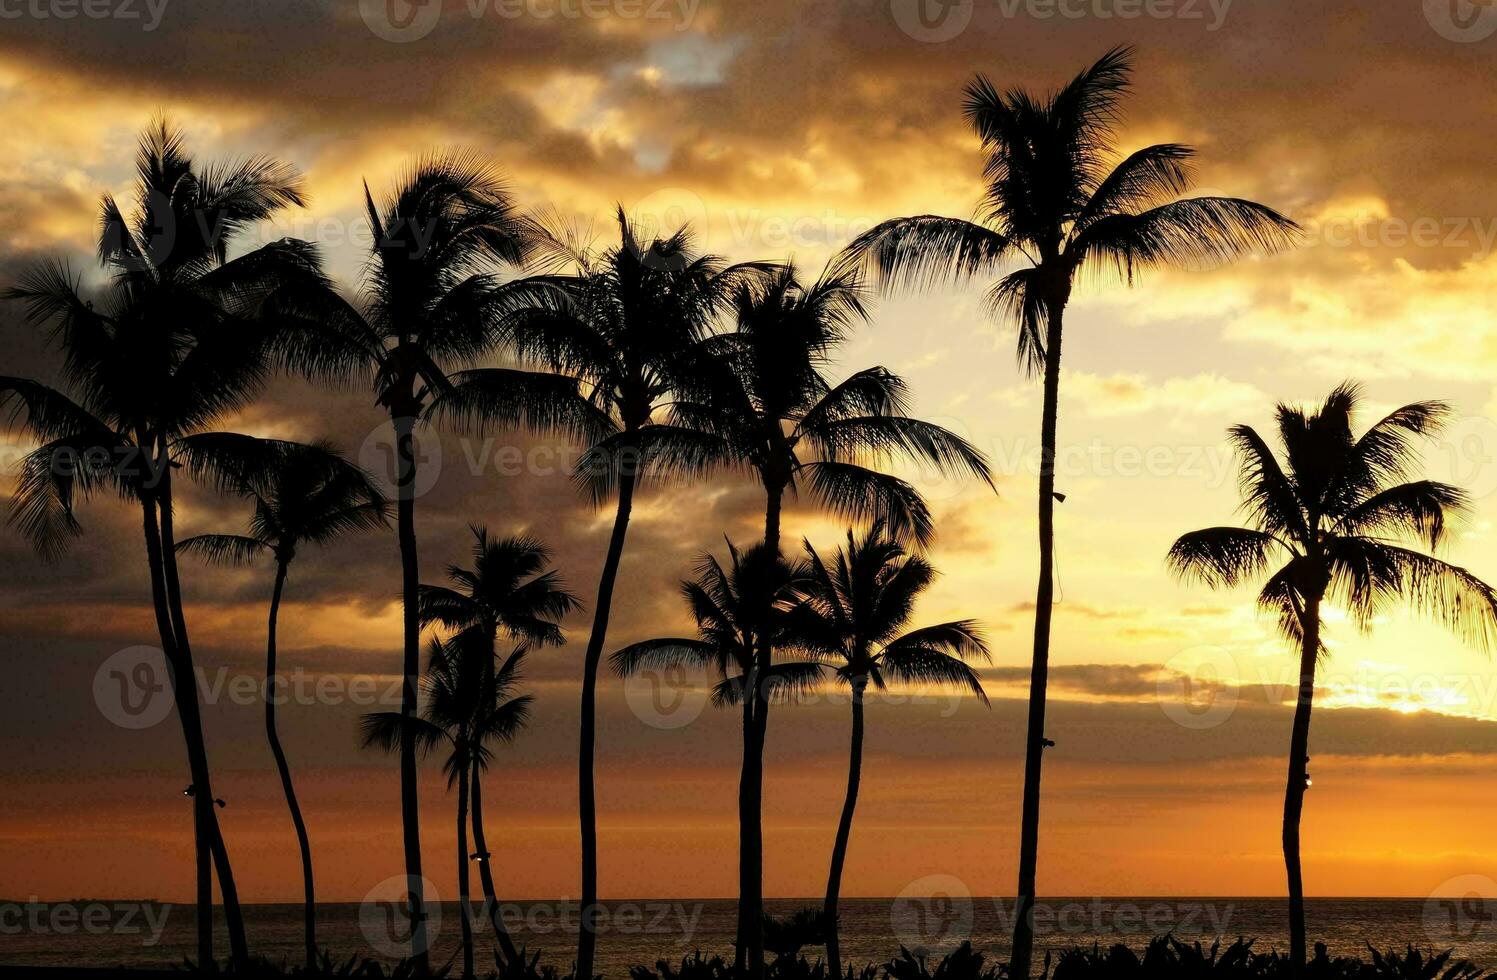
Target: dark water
647, 930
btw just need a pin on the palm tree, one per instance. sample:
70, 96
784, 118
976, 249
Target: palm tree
174, 342
1059, 201
469, 707
302, 494
765, 394
629, 323
739, 610
435, 301
508, 587
854, 613
1338, 510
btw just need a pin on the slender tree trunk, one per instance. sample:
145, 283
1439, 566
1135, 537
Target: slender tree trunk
486, 874
410, 578
1294, 790
844, 831
228, 891
183, 690
464, 902
309, 910
587, 802
1034, 747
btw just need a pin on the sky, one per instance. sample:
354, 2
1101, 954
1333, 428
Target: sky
780, 129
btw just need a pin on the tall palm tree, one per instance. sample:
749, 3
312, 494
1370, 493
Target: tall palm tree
435, 301
1058, 200
629, 324
764, 392
1339, 511
854, 613
469, 707
302, 494
173, 342
509, 588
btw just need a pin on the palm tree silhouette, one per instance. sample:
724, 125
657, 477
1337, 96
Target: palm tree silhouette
435, 300
469, 707
507, 588
630, 327
1339, 515
176, 340
765, 394
1058, 200
302, 494
853, 613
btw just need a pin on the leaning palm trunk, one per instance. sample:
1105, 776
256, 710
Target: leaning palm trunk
309, 910
203, 795
1034, 745
844, 831
464, 903
1294, 789
410, 811
486, 873
587, 802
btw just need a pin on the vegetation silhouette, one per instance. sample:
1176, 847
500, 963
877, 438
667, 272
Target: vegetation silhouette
176, 340
1339, 510
509, 588
852, 613
1059, 201
302, 494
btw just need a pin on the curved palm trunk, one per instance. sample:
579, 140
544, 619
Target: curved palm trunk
587, 802
195, 751
1034, 746
486, 873
410, 585
844, 831
309, 911
463, 902
1294, 790
204, 795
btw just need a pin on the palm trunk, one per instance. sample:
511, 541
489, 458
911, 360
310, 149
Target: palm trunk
844, 831
410, 807
486, 873
182, 681
228, 891
587, 802
309, 911
1294, 790
463, 901
1034, 747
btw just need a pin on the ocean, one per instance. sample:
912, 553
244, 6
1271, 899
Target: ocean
934, 919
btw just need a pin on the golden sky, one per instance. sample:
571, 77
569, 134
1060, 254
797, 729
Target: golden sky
782, 128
